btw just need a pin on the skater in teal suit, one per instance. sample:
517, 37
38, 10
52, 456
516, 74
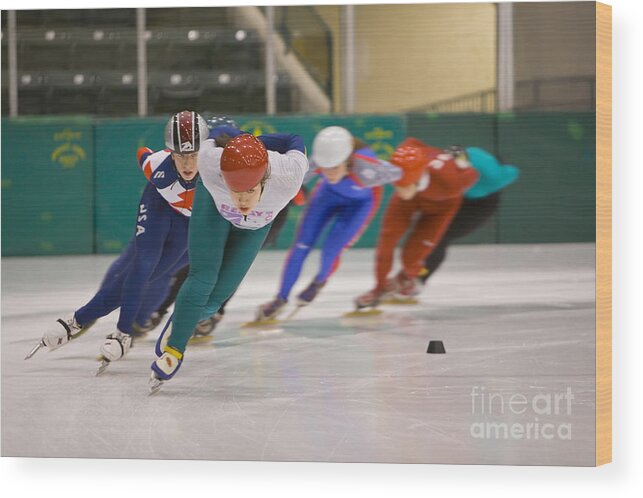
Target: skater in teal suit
243, 187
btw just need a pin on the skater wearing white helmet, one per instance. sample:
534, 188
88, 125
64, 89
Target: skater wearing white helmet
346, 196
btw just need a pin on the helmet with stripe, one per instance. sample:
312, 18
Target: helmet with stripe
185, 132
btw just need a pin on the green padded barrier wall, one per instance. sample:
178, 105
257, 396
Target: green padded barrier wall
72, 186
47, 186
555, 198
472, 130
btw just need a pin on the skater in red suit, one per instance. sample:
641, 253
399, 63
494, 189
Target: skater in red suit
425, 201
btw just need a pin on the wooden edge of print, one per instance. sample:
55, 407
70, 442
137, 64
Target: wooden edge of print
603, 233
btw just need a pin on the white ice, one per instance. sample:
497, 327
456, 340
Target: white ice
517, 322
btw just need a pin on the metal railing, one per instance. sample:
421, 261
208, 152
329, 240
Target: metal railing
483, 102
568, 93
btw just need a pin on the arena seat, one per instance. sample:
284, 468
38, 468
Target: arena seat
74, 18
45, 49
239, 49
103, 49
33, 92
72, 93
192, 50
118, 93
224, 91
256, 93
213, 17
174, 90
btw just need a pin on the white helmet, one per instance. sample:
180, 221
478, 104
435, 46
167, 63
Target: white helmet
185, 132
331, 147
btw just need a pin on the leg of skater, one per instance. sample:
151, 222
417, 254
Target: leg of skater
350, 222
206, 246
213, 279
424, 238
175, 286
106, 300
473, 213
155, 295
317, 215
395, 223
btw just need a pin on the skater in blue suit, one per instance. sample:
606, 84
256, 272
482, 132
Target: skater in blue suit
346, 196
222, 128
138, 281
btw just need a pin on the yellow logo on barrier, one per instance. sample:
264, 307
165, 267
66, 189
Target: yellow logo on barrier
68, 154
380, 142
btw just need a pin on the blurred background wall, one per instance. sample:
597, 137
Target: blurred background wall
69, 178
407, 55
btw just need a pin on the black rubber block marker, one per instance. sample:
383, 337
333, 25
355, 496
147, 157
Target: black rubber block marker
436, 347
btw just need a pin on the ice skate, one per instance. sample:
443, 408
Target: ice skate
267, 313
366, 304
309, 293
163, 338
64, 330
404, 291
305, 298
203, 330
139, 330
422, 277
116, 345
164, 368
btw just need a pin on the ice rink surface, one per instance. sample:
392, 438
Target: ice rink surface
515, 387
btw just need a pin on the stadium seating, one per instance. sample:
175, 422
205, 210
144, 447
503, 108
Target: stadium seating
84, 61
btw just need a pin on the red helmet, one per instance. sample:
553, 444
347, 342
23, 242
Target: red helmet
412, 157
244, 162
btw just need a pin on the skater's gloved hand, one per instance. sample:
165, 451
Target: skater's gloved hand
300, 198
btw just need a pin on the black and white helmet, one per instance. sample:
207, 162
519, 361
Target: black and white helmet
185, 132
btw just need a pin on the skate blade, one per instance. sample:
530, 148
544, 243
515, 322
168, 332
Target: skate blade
200, 339
294, 312
103, 366
155, 385
34, 350
260, 323
363, 313
400, 301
